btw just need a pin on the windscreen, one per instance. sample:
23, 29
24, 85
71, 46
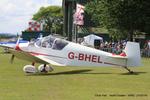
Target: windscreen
52, 42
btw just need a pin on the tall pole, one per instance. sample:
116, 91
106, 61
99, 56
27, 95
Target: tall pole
70, 20
65, 21
68, 6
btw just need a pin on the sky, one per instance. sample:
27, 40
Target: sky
15, 14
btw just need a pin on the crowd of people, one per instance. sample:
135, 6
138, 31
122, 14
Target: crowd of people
114, 47
146, 49
118, 46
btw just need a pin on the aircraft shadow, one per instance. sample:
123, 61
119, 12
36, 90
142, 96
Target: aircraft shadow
85, 71
134, 73
65, 72
71, 72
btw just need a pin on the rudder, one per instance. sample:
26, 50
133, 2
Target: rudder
132, 51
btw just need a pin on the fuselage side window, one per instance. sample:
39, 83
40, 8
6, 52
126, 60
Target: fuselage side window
59, 44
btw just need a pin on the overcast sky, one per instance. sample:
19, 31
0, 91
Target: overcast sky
15, 14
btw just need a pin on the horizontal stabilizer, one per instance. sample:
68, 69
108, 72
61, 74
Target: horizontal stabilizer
118, 57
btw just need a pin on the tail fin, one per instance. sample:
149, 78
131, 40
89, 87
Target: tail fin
132, 51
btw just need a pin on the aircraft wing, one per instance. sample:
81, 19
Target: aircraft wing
49, 61
13, 44
33, 57
7, 45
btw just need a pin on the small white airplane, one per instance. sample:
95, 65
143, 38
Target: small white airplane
58, 52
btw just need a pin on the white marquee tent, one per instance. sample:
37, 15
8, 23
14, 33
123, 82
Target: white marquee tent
89, 39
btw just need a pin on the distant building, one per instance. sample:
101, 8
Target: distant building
35, 26
33, 31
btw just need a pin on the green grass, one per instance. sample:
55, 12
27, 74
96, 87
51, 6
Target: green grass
73, 83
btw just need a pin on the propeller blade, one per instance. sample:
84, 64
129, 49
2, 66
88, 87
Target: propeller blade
12, 59
17, 43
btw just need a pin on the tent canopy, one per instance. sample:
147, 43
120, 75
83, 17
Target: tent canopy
89, 39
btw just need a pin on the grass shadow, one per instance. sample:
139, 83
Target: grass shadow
134, 73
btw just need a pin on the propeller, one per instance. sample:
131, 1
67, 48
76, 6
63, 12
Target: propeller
16, 48
17, 43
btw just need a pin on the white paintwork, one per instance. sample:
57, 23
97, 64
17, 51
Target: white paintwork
29, 69
47, 68
133, 53
13, 44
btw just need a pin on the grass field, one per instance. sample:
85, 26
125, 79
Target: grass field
73, 83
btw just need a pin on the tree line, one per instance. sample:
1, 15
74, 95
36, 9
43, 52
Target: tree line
122, 18
51, 17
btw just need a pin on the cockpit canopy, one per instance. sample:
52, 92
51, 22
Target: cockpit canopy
51, 42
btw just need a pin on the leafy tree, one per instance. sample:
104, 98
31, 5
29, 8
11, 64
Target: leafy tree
51, 17
122, 18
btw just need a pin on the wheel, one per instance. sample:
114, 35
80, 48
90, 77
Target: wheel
45, 68
29, 69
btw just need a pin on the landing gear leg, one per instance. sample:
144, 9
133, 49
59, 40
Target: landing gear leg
131, 72
44, 69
